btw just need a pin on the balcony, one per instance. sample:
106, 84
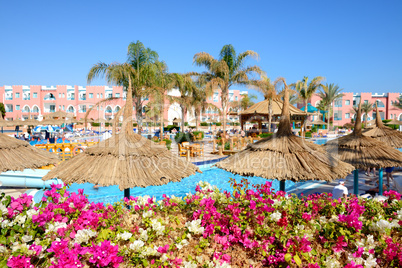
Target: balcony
83, 98
9, 98
26, 98
337, 118
49, 99
70, 98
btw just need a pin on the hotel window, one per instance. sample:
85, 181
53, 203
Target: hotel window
62, 95
117, 95
392, 116
101, 95
97, 96
216, 97
63, 108
17, 107
59, 107
347, 115
17, 95
366, 101
347, 102
34, 95
109, 95
236, 98
90, 95
59, 95
338, 103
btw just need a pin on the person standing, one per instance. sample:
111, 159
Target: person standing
340, 190
388, 172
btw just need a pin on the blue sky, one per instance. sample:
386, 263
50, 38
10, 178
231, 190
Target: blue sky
356, 44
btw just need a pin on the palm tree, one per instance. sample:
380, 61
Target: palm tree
185, 84
398, 103
226, 71
199, 101
120, 74
366, 108
306, 90
143, 61
329, 93
115, 73
2, 110
267, 88
163, 81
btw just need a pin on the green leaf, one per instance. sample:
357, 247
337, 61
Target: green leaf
288, 257
3, 240
297, 259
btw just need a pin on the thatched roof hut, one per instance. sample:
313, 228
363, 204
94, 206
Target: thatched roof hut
362, 151
383, 133
283, 156
394, 122
126, 159
19, 155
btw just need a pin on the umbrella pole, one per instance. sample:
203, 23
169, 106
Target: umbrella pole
282, 185
127, 193
380, 180
356, 182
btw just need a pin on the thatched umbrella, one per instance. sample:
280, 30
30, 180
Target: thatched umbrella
284, 156
48, 121
31, 122
126, 159
316, 122
383, 133
364, 152
59, 114
19, 155
394, 122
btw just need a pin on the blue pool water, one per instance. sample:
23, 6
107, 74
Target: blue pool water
211, 174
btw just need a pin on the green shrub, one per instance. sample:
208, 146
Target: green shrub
186, 124
264, 135
218, 124
349, 125
171, 127
391, 126
308, 134
168, 143
204, 124
182, 137
195, 133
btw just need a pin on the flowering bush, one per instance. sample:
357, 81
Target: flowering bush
252, 227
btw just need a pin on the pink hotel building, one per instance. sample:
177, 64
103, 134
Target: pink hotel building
22, 101
343, 107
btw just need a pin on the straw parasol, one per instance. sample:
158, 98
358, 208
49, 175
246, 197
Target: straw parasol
48, 121
177, 120
364, 152
19, 155
394, 122
126, 159
31, 122
59, 114
16, 122
316, 122
383, 133
283, 156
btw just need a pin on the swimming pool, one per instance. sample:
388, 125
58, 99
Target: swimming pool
211, 174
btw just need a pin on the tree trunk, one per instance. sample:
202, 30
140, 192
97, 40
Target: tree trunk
328, 115
269, 114
182, 117
161, 120
196, 120
224, 115
138, 110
